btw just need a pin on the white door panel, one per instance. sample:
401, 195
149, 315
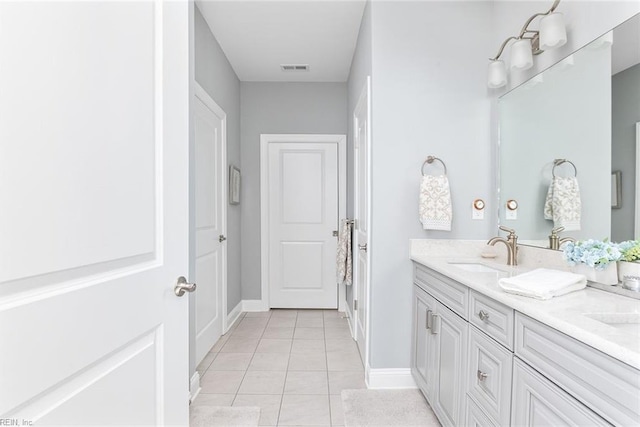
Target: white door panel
362, 146
210, 193
303, 212
94, 144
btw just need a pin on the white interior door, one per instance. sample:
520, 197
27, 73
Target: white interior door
362, 144
210, 188
94, 152
302, 214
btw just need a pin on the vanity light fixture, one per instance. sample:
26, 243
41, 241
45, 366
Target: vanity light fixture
552, 34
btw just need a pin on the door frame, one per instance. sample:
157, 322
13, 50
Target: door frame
265, 140
200, 93
364, 101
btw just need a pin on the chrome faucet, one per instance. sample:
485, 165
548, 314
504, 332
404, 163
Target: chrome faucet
511, 242
555, 241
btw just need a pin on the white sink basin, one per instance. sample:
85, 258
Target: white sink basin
475, 267
627, 322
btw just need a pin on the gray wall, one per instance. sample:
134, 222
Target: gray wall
429, 98
625, 114
214, 73
360, 69
278, 108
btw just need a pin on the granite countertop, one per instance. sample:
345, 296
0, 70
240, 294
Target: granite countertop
567, 313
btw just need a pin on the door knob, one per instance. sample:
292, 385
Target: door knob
221, 238
182, 286
363, 247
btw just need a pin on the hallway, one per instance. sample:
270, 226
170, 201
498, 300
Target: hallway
293, 364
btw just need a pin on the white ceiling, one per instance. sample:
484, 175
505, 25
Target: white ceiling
258, 36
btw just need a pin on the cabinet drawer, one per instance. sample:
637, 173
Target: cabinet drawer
489, 376
606, 385
449, 292
539, 402
475, 416
493, 318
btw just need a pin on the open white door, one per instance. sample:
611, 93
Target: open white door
94, 151
362, 144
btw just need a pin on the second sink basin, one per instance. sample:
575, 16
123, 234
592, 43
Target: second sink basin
475, 267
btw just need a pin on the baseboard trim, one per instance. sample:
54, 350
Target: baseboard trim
194, 387
389, 378
233, 316
254, 305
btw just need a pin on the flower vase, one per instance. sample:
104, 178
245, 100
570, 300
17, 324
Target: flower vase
608, 276
626, 268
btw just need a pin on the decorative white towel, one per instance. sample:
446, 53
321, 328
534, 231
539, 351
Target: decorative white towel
563, 204
435, 208
343, 256
543, 283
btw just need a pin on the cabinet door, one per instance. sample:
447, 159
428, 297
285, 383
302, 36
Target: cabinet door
536, 401
449, 364
423, 303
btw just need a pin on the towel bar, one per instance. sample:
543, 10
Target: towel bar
558, 162
430, 160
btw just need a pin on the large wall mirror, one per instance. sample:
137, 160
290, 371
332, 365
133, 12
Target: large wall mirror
579, 118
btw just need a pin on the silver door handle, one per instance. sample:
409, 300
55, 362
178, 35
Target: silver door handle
483, 315
435, 324
182, 286
481, 375
221, 238
428, 320
363, 247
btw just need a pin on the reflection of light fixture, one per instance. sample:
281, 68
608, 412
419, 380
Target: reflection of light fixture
552, 34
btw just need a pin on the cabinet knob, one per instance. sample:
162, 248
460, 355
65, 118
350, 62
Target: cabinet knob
481, 375
428, 320
483, 315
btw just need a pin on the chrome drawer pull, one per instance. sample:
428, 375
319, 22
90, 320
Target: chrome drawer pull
483, 315
435, 324
429, 319
481, 375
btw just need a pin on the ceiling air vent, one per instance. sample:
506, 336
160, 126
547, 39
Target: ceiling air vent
294, 67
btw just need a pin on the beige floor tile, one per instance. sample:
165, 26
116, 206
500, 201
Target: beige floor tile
307, 346
310, 314
344, 345
248, 331
304, 410
240, 345
299, 382
231, 362
212, 399
281, 322
337, 333
220, 343
269, 362
344, 362
275, 332
263, 382
332, 313
308, 362
335, 322
269, 406
337, 414
309, 333
309, 322
256, 322
274, 345
339, 381
206, 362
283, 313
258, 314
221, 382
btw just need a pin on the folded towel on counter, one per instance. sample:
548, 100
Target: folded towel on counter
435, 208
563, 204
343, 256
543, 283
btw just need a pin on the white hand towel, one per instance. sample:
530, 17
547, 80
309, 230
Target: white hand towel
343, 256
563, 204
543, 283
435, 208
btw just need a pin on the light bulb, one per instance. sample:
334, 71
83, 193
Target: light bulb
553, 33
521, 55
497, 74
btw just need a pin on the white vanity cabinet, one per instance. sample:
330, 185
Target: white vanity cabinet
481, 363
439, 353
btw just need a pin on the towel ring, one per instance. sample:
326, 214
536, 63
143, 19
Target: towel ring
430, 160
558, 162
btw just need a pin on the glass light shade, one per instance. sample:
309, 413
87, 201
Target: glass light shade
521, 55
553, 33
497, 75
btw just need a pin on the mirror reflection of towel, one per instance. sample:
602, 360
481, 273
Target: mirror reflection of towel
563, 204
435, 208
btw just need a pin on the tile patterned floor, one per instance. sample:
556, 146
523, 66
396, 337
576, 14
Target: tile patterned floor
293, 364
